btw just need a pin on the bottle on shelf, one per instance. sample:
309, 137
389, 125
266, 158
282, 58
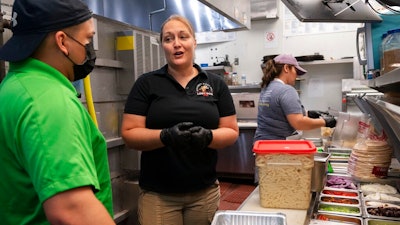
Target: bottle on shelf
228, 78
235, 78
243, 79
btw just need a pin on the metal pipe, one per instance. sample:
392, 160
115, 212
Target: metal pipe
154, 12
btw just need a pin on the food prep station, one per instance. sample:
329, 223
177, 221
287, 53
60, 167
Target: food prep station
345, 203
346, 200
342, 200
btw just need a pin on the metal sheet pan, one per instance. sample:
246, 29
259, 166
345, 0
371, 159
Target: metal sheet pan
231, 217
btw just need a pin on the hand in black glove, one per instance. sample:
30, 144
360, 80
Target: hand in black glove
177, 136
316, 113
330, 121
201, 137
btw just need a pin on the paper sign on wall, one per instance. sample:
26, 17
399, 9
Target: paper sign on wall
270, 39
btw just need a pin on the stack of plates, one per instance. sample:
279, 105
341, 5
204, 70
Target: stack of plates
370, 160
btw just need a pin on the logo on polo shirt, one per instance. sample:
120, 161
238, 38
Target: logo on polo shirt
204, 89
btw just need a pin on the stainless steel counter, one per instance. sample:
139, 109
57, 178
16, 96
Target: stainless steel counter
247, 124
237, 160
293, 216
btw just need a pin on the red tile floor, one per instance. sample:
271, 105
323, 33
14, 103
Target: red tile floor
233, 194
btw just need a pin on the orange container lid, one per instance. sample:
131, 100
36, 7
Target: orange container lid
284, 146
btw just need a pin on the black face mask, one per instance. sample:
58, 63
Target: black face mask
82, 70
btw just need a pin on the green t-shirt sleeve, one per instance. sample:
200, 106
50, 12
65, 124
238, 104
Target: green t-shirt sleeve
56, 147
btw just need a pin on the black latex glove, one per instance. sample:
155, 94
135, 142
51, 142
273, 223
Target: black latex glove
201, 137
316, 113
330, 121
177, 136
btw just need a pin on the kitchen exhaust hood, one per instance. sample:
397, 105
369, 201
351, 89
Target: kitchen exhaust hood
346, 11
205, 15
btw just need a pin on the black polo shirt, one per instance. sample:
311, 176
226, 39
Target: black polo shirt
164, 102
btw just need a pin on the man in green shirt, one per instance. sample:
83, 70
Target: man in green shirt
53, 158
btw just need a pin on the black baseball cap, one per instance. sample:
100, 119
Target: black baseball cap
32, 20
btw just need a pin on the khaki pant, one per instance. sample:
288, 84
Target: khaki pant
196, 208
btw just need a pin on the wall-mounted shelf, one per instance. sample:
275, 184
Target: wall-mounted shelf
252, 88
220, 70
389, 82
325, 62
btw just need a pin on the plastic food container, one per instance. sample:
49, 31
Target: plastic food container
233, 217
284, 172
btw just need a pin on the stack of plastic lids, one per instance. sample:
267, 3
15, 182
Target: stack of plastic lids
370, 160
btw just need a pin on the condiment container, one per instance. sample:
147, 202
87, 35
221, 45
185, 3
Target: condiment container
339, 218
319, 171
337, 193
383, 186
380, 222
340, 200
339, 181
284, 172
382, 210
337, 209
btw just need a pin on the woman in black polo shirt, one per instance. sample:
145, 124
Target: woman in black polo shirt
178, 116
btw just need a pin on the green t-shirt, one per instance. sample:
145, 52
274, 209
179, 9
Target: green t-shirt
48, 143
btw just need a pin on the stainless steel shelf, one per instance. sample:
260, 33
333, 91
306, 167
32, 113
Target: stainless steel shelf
389, 82
385, 116
327, 62
251, 88
114, 142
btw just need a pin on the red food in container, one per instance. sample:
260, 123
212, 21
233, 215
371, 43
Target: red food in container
348, 201
340, 193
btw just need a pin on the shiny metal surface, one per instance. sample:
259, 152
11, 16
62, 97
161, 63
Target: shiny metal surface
246, 105
109, 104
231, 217
312, 208
264, 9
334, 11
205, 15
237, 160
320, 169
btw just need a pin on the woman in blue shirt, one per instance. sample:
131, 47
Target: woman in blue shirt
280, 112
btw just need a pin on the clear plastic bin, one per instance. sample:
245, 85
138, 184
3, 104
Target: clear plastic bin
284, 172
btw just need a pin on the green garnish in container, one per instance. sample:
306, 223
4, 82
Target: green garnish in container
341, 209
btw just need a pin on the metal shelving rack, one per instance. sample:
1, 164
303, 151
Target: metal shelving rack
389, 82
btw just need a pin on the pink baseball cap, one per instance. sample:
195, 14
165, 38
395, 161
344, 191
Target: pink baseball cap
290, 60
